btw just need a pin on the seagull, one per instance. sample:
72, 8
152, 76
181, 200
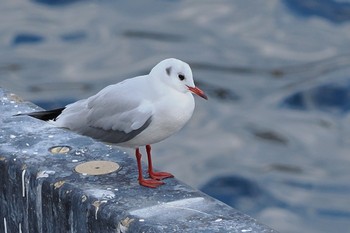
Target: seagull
136, 112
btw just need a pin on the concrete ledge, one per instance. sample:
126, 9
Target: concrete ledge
40, 190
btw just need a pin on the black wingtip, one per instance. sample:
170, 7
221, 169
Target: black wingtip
44, 115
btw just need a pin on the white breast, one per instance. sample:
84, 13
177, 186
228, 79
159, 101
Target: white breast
169, 116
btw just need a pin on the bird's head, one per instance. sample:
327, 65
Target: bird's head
178, 75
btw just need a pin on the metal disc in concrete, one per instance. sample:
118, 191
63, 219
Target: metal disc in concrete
97, 167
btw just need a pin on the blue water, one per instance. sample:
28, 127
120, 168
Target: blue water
274, 138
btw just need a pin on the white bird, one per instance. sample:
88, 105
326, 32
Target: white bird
136, 112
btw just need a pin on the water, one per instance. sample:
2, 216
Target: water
273, 139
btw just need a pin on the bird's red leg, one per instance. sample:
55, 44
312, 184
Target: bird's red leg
152, 174
150, 183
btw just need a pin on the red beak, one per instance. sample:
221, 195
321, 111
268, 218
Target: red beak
198, 92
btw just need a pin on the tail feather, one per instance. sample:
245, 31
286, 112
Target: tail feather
44, 115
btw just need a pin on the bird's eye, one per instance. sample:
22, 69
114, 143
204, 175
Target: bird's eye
181, 77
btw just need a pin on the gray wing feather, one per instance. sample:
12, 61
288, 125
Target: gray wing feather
109, 116
114, 136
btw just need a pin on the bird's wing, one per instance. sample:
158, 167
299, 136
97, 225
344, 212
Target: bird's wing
112, 117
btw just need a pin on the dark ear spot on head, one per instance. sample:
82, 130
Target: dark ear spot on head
168, 70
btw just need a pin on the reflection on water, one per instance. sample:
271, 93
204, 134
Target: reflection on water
241, 193
56, 2
330, 97
271, 136
334, 11
153, 36
27, 39
273, 139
